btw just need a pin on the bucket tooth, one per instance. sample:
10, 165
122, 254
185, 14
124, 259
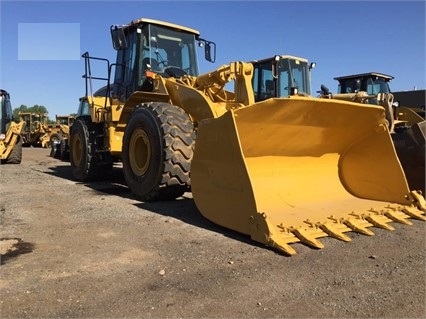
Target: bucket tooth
359, 225
375, 218
355, 223
394, 214
419, 199
278, 236
379, 221
413, 212
307, 237
281, 237
334, 232
335, 229
282, 246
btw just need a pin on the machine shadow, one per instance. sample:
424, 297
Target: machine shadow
113, 184
183, 208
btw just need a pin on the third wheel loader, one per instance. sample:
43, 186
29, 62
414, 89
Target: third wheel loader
283, 170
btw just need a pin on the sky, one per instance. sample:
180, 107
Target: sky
42, 41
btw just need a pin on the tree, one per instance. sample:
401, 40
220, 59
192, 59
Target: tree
22, 108
38, 109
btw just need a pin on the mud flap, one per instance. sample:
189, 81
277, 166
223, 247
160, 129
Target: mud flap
296, 169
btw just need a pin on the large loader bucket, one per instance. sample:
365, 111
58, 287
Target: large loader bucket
296, 169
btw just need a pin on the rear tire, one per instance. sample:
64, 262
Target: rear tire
86, 163
157, 152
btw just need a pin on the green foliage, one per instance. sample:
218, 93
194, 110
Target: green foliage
38, 109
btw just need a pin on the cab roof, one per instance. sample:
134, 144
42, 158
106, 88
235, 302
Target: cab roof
162, 23
365, 75
282, 56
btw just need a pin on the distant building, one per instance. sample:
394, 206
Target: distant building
414, 98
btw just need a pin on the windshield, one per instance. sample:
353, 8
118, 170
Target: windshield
290, 73
377, 86
372, 87
64, 120
164, 49
293, 74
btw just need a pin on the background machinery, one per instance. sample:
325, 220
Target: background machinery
59, 136
35, 133
407, 126
374, 83
283, 170
284, 75
10, 132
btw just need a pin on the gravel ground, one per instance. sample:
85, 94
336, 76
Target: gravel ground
92, 251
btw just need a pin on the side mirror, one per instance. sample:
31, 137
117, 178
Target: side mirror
118, 38
395, 104
324, 90
274, 67
209, 50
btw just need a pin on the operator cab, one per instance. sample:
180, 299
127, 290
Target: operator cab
147, 45
281, 76
373, 83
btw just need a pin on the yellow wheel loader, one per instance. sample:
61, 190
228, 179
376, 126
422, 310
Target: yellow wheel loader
284, 170
36, 132
10, 132
59, 136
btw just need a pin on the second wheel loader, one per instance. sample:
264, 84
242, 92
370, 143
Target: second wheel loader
283, 171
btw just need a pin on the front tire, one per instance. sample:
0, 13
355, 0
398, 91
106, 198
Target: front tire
157, 152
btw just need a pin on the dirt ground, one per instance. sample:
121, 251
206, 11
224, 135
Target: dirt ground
92, 251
